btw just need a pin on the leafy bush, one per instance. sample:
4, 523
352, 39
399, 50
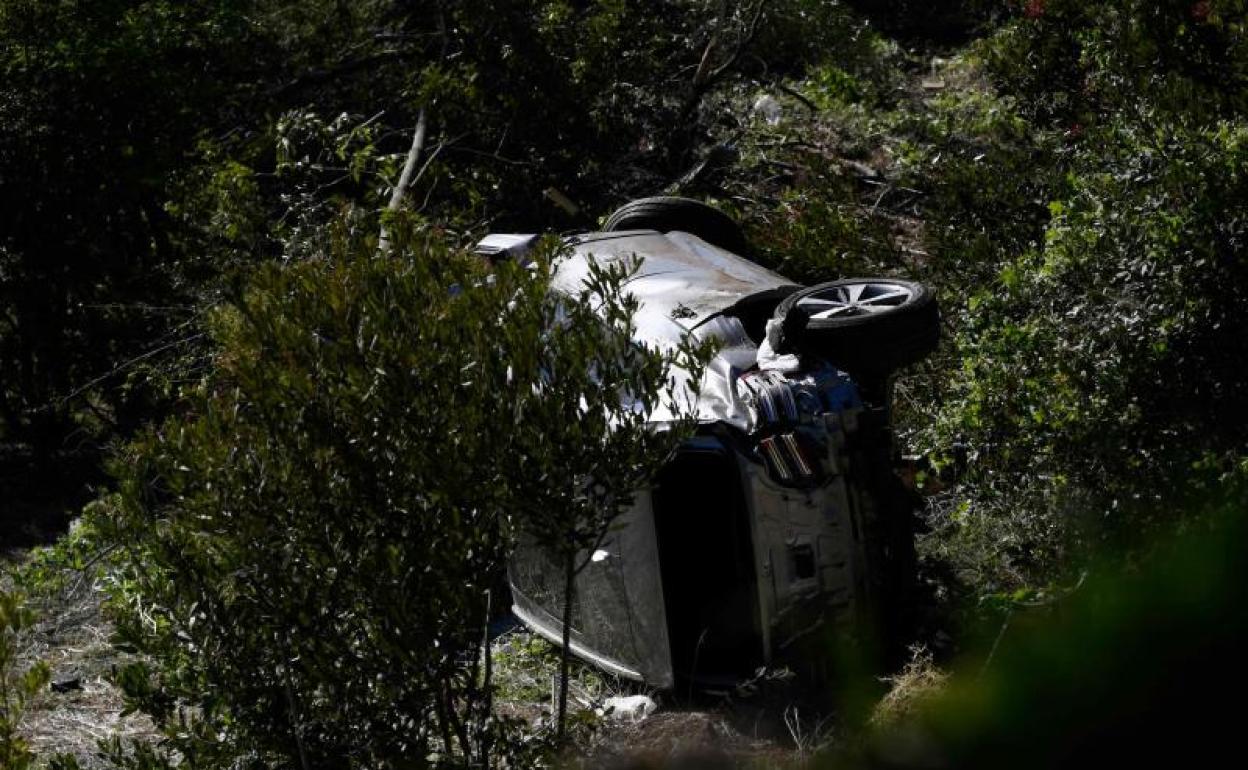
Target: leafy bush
1131, 668
812, 237
987, 174
156, 134
1099, 382
1079, 62
310, 542
17, 684
1081, 227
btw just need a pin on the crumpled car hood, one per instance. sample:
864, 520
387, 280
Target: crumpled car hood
683, 284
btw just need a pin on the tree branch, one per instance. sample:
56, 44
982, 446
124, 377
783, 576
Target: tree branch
741, 45
405, 178
409, 166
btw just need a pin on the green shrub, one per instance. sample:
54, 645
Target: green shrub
1082, 230
1100, 381
17, 684
308, 544
986, 173
1079, 62
1130, 669
812, 237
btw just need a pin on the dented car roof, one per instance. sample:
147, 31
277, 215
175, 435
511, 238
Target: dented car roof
681, 283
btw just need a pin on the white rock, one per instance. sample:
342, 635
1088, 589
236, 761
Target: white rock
629, 708
767, 106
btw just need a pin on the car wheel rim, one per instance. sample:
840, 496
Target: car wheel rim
855, 299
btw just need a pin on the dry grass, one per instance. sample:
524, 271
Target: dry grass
758, 726
774, 720
72, 638
909, 690
685, 739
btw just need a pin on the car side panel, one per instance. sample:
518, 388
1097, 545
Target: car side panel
619, 620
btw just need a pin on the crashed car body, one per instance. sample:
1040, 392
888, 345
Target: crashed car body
773, 524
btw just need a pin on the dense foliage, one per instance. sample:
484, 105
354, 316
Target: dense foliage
1131, 669
190, 197
1094, 365
311, 544
172, 143
1091, 210
18, 683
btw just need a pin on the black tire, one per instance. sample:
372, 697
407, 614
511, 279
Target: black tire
666, 213
867, 326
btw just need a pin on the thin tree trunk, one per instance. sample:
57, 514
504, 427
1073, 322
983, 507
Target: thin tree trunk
444, 723
295, 729
405, 178
565, 653
409, 165
488, 684
457, 725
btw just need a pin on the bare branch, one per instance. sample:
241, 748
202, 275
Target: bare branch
704, 66
405, 178
798, 95
742, 44
409, 166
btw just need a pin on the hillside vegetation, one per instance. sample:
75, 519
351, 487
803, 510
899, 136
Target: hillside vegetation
296, 461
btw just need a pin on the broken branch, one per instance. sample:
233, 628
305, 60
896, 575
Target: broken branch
405, 178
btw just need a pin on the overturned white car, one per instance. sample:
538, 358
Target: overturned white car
783, 518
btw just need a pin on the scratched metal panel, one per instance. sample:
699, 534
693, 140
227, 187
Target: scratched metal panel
619, 621
681, 281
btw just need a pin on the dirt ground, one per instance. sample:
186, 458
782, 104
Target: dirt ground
82, 706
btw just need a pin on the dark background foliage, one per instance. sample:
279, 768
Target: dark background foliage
173, 144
